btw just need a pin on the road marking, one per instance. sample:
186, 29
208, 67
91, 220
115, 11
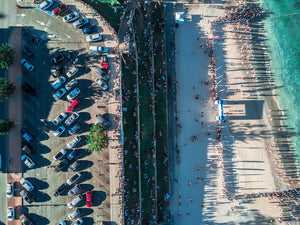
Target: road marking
21, 14
42, 23
68, 36
48, 23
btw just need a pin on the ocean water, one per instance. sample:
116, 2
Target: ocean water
282, 30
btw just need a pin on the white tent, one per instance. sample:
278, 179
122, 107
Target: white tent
179, 17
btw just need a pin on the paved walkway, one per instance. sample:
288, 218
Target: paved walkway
14, 171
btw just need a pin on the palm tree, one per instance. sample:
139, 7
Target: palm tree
97, 138
6, 89
6, 55
5, 126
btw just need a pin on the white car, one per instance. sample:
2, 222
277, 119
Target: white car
101, 84
74, 142
60, 154
59, 93
27, 64
80, 23
97, 49
59, 82
74, 214
73, 94
71, 17
26, 184
59, 118
28, 161
72, 71
79, 221
74, 129
73, 179
10, 189
71, 119
75, 201
94, 37
46, 4
59, 131
74, 190
71, 84
11, 213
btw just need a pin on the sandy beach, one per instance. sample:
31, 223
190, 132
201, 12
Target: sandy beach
244, 158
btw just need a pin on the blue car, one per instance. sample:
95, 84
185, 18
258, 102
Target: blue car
89, 29
73, 154
26, 135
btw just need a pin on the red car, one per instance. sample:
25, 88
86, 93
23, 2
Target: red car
73, 105
59, 9
89, 199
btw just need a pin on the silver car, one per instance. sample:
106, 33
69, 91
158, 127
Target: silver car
71, 119
10, 213
59, 93
71, 17
74, 166
73, 94
74, 142
59, 82
59, 118
59, 131
26, 184
74, 129
60, 154
94, 37
71, 84
10, 189
103, 85
75, 201
74, 214
79, 221
28, 161
74, 190
73, 179
72, 71
80, 23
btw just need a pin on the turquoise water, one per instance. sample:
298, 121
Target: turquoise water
282, 29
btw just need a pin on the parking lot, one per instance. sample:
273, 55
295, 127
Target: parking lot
47, 36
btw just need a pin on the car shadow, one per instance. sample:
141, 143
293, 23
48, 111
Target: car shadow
41, 196
40, 184
84, 164
98, 197
88, 220
39, 218
85, 176
86, 212
86, 187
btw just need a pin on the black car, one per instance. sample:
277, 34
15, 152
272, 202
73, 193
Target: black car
27, 52
60, 189
25, 219
61, 165
58, 72
27, 196
28, 149
58, 59
30, 90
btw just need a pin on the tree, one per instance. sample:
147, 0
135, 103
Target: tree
97, 138
5, 126
6, 89
6, 55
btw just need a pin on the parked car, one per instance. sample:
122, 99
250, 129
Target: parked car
71, 17
74, 166
74, 190
61, 223
59, 118
27, 196
102, 73
75, 201
72, 71
26, 184
59, 93
30, 90
73, 154
74, 129
27, 52
73, 105
103, 59
10, 190
71, 84
79, 221
60, 81
94, 37
26, 220
80, 23
98, 49
57, 72
26, 135
72, 118
28, 149
103, 121
72, 180
59, 9
89, 29
57, 59
59, 131
74, 142
10, 213
60, 189
28, 161
73, 94
46, 4
89, 199
61, 165
60, 154
102, 84
27, 64
74, 214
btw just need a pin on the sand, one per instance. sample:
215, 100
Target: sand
197, 191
